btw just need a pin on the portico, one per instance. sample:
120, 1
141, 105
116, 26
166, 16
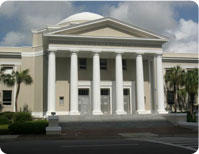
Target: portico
96, 84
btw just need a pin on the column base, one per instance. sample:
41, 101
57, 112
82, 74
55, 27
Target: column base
74, 113
120, 112
162, 112
144, 112
97, 113
48, 113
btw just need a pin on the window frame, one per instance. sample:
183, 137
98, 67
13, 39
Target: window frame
103, 66
7, 102
124, 64
82, 66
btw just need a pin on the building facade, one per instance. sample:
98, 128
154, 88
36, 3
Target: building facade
88, 64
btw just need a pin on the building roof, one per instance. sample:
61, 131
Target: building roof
79, 18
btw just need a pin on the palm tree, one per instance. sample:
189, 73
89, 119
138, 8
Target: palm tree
18, 78
174, 78
191, 86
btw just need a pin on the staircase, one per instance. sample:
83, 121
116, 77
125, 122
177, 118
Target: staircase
112, 121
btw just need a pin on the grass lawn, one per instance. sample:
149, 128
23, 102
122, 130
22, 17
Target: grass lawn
3, 129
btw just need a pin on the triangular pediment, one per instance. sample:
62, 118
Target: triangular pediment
106, 27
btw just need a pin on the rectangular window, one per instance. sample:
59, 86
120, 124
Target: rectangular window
83, 92
104, 91
61, 100
83, 63
126, 91
7, 97
7, 69
103, 64
124, 64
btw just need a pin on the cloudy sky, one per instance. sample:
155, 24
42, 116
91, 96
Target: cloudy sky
177, 20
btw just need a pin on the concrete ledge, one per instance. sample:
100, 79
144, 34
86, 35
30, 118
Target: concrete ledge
53, 130
175, 118
190, 124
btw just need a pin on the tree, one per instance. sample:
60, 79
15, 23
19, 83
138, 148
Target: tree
191, 86
18, 78
174, 78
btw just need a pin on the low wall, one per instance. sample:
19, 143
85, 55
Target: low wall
175, 118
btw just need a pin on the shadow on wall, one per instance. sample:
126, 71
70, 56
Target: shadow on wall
1, 107
25, 109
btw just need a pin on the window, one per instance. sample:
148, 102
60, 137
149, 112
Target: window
82, 63
7, 97
126, 92
170, 97
124, 64
61, 100
83, 92
103, 64
104, 92
7, 69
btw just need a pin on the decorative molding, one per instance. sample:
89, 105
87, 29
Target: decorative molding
180, 58
10, 54
109, 20
182, 66
91, 49
10, 63
33, 54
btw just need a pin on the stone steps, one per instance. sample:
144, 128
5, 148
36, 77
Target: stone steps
112, 121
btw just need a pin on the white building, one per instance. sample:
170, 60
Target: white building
88, 64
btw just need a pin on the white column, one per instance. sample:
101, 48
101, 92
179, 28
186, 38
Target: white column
140, 84
119, 84
160, 87
51, 82
96, 84
74, 84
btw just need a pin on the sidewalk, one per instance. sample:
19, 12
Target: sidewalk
101, 133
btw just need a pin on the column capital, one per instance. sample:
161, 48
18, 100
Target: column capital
158, 54
74, 50
96, 51
52, 50
139, 53
119, 52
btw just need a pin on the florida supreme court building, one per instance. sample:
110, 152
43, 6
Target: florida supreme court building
88, 64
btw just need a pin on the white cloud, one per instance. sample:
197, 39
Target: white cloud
13, 38
184, 38
160, 17
33, 15
154, 16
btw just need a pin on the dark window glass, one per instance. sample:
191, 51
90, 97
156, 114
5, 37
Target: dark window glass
170, 97
83, 92
7, 97
104, 91
124, 64
61, 100
126, 91
103, 64
82, 63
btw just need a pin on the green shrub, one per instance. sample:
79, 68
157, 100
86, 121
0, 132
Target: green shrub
22, 117
4, 120
28, 127
190, 118
9, 115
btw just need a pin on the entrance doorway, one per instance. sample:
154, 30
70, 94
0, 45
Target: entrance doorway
127, 100
105, 101
84, 101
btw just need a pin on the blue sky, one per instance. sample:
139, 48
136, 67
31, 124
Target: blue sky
177, 20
